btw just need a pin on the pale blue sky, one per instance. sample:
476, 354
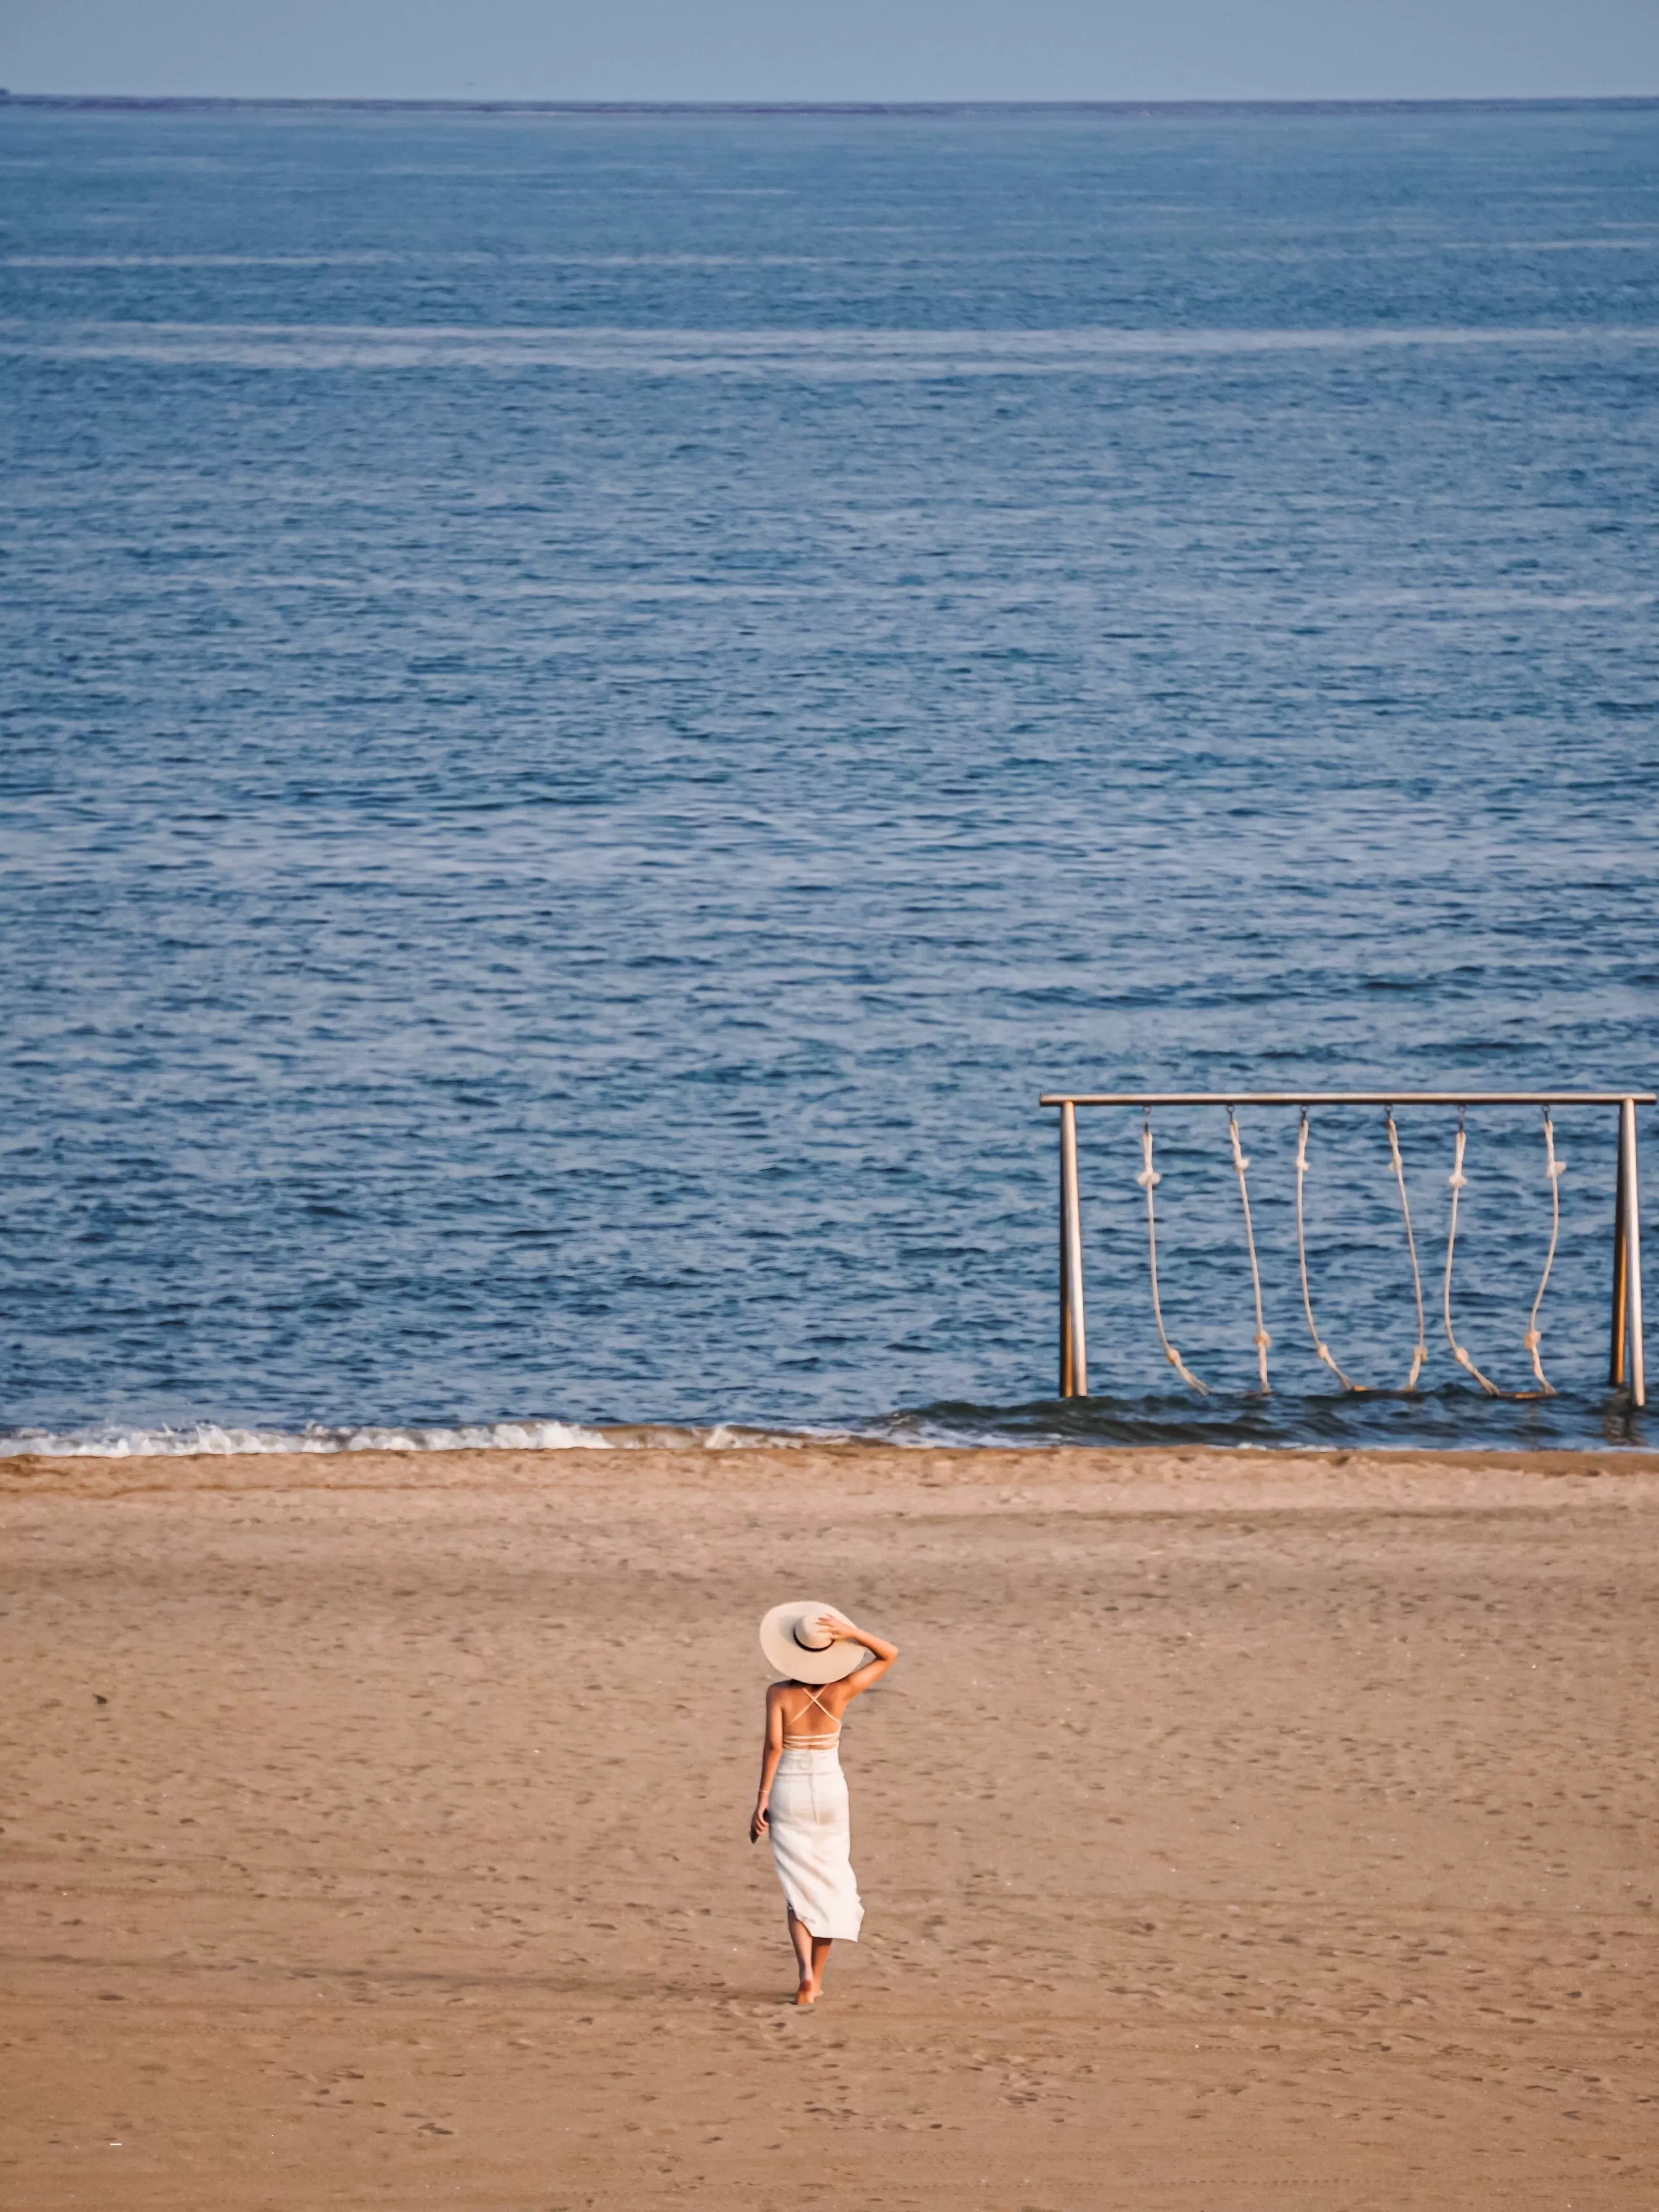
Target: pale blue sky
834, 49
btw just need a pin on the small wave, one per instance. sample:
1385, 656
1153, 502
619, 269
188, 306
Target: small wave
210, 1437
1453, 1417
830, 354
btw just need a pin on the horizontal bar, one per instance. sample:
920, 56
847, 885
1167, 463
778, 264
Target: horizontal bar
1347, 1098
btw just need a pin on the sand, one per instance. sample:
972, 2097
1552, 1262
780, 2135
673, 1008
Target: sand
1237, 1832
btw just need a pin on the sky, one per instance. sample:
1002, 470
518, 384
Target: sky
833, 50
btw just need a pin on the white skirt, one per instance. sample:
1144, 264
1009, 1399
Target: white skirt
811, 1838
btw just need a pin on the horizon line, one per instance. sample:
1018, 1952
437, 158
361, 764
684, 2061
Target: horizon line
154, 102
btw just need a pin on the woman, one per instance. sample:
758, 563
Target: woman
802, 1803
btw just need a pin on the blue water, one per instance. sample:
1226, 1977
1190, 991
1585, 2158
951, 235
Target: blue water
594, 705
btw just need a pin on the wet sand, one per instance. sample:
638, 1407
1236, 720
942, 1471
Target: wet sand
1238, 1831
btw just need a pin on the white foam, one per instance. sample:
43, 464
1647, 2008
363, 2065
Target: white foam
724, 1437
798, 354
210, 1437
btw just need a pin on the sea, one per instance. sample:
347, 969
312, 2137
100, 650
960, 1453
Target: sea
596, 703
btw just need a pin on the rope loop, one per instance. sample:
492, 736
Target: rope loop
1240, 1163
1420, 1349
1149, 1180
1457, 1182
1321, 1348
1554, 1171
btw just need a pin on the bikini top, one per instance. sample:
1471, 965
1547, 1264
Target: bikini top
822, 1741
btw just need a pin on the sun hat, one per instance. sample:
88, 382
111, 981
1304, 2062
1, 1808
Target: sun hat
798, 1648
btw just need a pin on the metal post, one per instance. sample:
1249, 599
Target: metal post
1616, 1347
1074, 1349
1065, 1267
1632, 1211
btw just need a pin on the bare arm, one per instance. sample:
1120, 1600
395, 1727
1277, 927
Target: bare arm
771, 1752
883, 1655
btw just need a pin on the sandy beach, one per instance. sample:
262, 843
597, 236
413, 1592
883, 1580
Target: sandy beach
1238, 1831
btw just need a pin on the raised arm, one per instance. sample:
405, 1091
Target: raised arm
883, 1654
771, 1752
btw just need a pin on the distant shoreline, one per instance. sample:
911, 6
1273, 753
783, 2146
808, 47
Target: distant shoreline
129, 103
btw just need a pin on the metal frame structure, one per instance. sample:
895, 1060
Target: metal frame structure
1626, 1337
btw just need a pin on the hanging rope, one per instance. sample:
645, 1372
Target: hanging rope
1263, 1338
1319, 1346
1458, 1181
1554, 1169
1419, 1350
1149, 1179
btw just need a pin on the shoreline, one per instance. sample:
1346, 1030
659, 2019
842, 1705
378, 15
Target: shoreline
691, 1460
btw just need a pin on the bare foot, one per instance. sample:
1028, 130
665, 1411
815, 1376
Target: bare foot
807, 1994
